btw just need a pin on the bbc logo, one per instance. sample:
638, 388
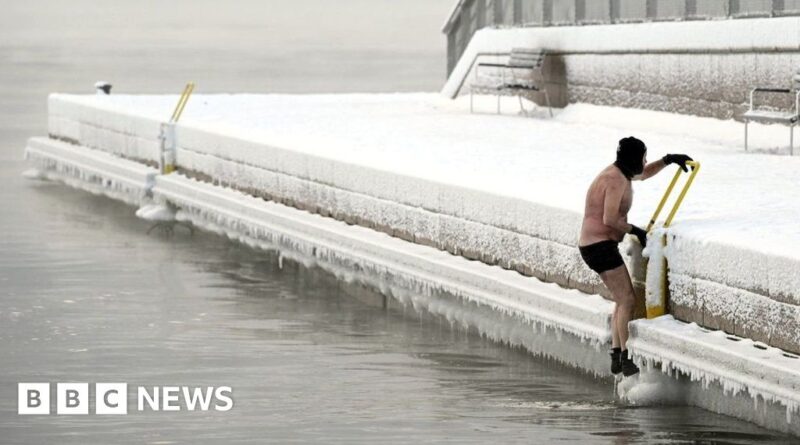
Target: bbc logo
72, 398
112, 398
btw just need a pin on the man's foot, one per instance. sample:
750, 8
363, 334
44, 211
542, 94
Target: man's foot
616, 364
628, 367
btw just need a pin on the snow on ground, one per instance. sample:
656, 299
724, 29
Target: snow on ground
747, 200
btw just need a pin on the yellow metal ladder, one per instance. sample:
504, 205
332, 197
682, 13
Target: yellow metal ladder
167, 136
656, 310
187, 91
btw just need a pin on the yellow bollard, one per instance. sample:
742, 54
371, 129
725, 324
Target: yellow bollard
656, 310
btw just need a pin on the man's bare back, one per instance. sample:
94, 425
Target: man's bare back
609, 184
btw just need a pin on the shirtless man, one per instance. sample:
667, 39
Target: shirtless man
605, 223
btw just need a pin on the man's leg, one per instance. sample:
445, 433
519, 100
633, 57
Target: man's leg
616, 352
619, 283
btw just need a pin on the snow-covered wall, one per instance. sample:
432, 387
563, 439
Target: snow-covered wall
105, 128
713, 283
736, 290
534, 239
704, 68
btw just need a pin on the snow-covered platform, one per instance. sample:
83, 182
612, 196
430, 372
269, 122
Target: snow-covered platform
505, 190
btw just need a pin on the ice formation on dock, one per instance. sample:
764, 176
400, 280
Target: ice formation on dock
545, 316
90, 170
737, 366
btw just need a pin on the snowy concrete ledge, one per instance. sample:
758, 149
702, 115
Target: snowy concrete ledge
91, 170
108, 128
767, 377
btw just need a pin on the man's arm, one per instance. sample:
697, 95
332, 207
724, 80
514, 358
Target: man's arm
611, 203
653, 168
650, 170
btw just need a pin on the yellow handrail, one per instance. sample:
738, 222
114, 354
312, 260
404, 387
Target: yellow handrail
695, 168
660, 308
187, 91
685, 189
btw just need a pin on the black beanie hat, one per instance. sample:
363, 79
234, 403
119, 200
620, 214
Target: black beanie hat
630, 152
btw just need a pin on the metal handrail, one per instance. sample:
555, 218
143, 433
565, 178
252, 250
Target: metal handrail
695, 169
187, 91
660, 308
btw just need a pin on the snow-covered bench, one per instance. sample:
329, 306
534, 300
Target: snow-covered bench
768, 116
522, 73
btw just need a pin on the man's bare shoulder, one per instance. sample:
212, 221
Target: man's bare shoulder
611, 177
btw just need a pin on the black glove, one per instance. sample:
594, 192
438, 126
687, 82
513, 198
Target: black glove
677, 159
638, 232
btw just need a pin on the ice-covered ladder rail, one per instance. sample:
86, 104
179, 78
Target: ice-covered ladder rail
167, 134
656, 301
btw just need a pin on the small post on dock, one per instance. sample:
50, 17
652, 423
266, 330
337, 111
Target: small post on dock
167, 138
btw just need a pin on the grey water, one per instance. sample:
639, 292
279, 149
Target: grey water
87, 295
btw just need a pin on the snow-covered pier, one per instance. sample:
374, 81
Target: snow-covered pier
401, 191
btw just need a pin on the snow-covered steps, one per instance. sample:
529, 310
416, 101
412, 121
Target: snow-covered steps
737, 367
579, 321
91, 170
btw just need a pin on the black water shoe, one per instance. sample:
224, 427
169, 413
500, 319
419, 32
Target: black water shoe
616, 364
628, 367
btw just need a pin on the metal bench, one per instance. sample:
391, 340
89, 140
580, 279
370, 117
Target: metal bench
766, 116
522, 73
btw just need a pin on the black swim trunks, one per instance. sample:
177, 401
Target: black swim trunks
602, 256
